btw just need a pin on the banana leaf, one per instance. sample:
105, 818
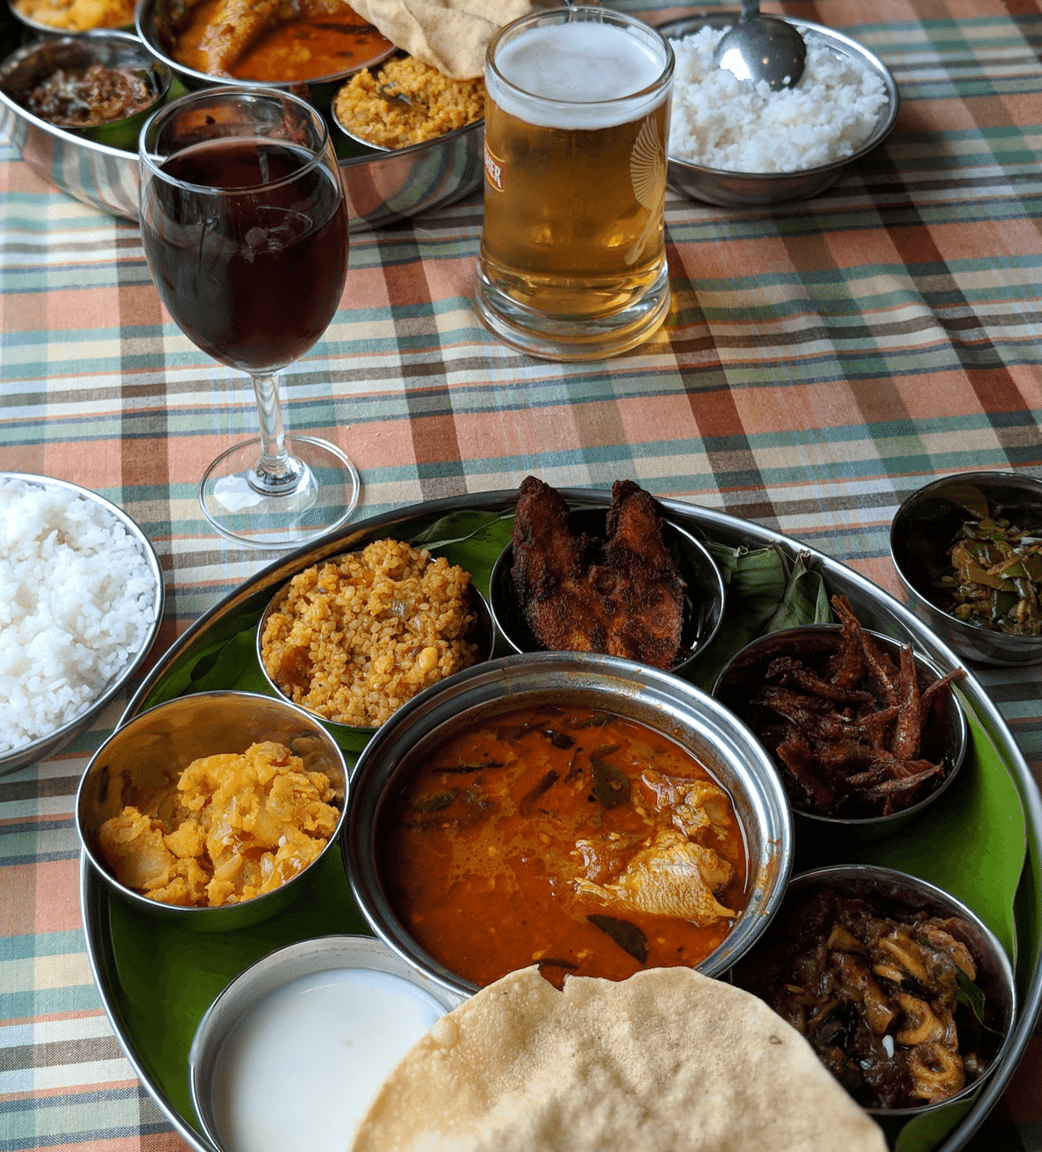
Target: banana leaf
973, 847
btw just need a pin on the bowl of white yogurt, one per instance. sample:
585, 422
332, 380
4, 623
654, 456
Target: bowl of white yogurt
289, 1055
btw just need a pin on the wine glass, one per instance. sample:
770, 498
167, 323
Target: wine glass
244, 228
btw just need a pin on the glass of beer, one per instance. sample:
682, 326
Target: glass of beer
573, 261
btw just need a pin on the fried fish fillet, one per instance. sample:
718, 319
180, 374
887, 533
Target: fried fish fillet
630, 603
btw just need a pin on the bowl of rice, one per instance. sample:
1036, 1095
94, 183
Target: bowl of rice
733, 143
354, 637
82, 603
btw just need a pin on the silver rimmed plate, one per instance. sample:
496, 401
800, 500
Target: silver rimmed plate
48, 743
129, 964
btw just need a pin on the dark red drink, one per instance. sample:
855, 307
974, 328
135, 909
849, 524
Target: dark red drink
250, 261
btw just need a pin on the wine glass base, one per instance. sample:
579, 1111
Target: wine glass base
322, 500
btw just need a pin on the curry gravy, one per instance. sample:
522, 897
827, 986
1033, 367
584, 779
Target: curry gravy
567, 837
305, 46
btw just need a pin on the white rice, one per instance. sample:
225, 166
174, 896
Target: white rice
77, 598
719, 121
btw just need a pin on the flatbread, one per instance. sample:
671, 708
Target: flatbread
666, 1061
450, 35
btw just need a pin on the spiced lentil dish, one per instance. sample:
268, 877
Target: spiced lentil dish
355, 637
431, 103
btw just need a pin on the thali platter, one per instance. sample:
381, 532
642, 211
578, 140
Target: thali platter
157, 981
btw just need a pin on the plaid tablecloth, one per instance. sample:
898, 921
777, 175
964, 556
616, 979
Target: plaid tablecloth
821, 361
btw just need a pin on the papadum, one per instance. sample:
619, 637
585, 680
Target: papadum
450, 35
665, 1061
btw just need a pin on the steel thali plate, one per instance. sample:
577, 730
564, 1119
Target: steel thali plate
125, 981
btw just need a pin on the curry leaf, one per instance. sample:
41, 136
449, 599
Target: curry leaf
610, 784
628, 936
436, 802
971, 995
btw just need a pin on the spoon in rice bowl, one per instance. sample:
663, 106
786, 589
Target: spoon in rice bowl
762, 48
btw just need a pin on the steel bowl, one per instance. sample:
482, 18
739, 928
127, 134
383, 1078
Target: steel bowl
98, 168
898, 894
658, 699
26, 67
921, 535
945, 735
148, 754
342, 1064
351, 737
155, 23
704, 596
52, 742
738, 189
43, 29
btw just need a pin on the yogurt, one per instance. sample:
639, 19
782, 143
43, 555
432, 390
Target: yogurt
299, 1071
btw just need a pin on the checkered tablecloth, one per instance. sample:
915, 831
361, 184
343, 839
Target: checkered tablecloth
821, 361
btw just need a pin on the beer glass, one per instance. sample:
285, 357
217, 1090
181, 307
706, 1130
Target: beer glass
573, 261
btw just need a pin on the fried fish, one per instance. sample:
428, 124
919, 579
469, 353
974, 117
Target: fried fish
625, 602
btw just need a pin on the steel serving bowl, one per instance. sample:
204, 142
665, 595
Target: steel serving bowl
945, 734
97, 166
147, 755
921, 535
354, 737
25, 68
44, 29
649, 696
155, 21
341, 1064
704, 596
52, 742
738, 189
900, 893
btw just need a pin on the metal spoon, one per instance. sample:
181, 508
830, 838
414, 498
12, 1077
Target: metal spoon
762, 48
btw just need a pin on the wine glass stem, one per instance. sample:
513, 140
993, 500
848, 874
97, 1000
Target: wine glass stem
276, 472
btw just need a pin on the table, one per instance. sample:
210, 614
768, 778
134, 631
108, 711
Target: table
821, 361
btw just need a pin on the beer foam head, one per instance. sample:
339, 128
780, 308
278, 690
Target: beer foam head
576, 75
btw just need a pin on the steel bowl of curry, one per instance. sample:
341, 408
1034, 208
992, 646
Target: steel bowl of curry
317, 43
577, 811
904, 992
212, 811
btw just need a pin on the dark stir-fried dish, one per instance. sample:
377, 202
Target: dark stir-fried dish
886, 996
91, 95
996, 578
623, 596
848, 726
572, 838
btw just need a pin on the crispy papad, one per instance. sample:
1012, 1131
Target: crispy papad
450, 35
665, 1061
